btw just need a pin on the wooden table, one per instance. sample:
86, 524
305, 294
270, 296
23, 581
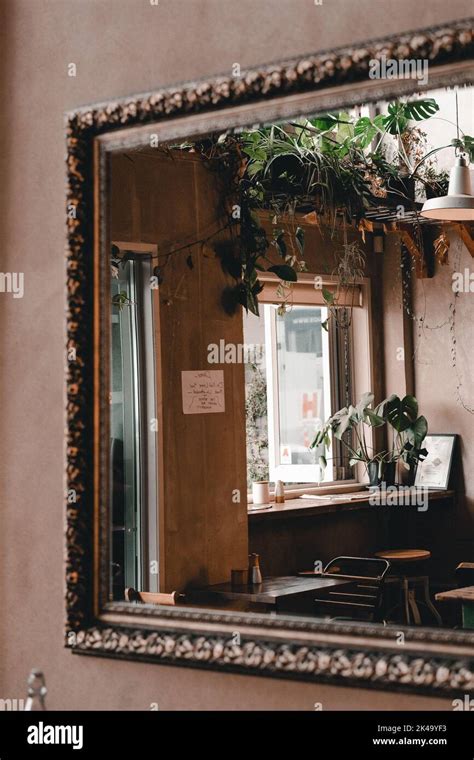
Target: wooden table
281, 594
466, 597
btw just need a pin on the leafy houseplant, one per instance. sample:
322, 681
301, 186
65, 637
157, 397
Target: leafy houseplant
406, 429
336, 166
349, 426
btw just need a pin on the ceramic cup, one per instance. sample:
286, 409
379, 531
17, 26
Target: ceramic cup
260, 492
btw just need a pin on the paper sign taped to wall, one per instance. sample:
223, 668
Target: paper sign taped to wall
203, 391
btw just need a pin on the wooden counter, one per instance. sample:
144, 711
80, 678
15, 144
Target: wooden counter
291, 537
341, 503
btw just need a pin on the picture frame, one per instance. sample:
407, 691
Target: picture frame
434, 472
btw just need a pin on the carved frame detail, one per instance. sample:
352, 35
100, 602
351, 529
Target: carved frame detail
434, 662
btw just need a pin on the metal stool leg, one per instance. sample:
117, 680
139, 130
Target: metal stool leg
414, 606
427, 600
405, 598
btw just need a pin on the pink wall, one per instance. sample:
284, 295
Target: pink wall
119, 47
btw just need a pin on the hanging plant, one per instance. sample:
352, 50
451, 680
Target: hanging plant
333, 165
349, 271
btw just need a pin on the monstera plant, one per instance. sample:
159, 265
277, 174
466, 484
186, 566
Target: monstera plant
406, 432
349, 425
407, 428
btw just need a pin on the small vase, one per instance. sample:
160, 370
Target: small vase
373, 473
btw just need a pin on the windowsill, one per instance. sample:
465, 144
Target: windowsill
344, 486
309, 508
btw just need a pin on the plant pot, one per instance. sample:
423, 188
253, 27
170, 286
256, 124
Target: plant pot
389, 472
406, 476
373, 473
436, 190
400, 190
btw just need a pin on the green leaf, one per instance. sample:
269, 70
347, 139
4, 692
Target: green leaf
299, 237
328, 296
364, 132
417, 110
378, 121
365, 400
344, 424
325, 325
465, 145
255, 167
325, 122
373, 419
399, 114
395, 123
418, 431
280, 243
318, 439
257, 288
345, 131
284, 272
252, 303
401, 413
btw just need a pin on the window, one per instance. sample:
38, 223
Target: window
297, 374
132, 444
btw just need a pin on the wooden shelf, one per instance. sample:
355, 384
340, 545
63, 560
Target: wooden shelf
317, 508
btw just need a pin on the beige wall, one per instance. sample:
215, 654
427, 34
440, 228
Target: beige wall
450, 531
442, 387
119, 47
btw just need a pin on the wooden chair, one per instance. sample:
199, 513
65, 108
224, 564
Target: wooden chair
149, 597
361, 598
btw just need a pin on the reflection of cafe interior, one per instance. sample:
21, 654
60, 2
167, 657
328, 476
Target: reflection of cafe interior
285, 320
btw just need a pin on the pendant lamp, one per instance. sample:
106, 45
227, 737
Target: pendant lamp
458, 204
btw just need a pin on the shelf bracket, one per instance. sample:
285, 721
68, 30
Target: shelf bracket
406, 237
464, 231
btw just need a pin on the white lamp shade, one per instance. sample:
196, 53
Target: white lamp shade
458, 204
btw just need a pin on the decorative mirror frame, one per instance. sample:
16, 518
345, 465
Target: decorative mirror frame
430, 661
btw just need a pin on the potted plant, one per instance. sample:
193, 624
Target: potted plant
408, 432
349, 425
436, 183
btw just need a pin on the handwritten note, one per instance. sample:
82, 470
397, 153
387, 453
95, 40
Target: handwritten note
203, 391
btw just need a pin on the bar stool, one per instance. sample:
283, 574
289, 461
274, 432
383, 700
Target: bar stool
402, 562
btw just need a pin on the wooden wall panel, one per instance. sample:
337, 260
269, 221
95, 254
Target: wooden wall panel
288, 546
205, 531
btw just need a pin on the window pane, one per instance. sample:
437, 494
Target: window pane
133, 446
256, 412
303, 380
287, 386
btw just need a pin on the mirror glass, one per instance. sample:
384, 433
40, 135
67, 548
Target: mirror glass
279, 307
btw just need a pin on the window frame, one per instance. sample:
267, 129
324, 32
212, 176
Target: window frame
309, 287
149, 452
289, 473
